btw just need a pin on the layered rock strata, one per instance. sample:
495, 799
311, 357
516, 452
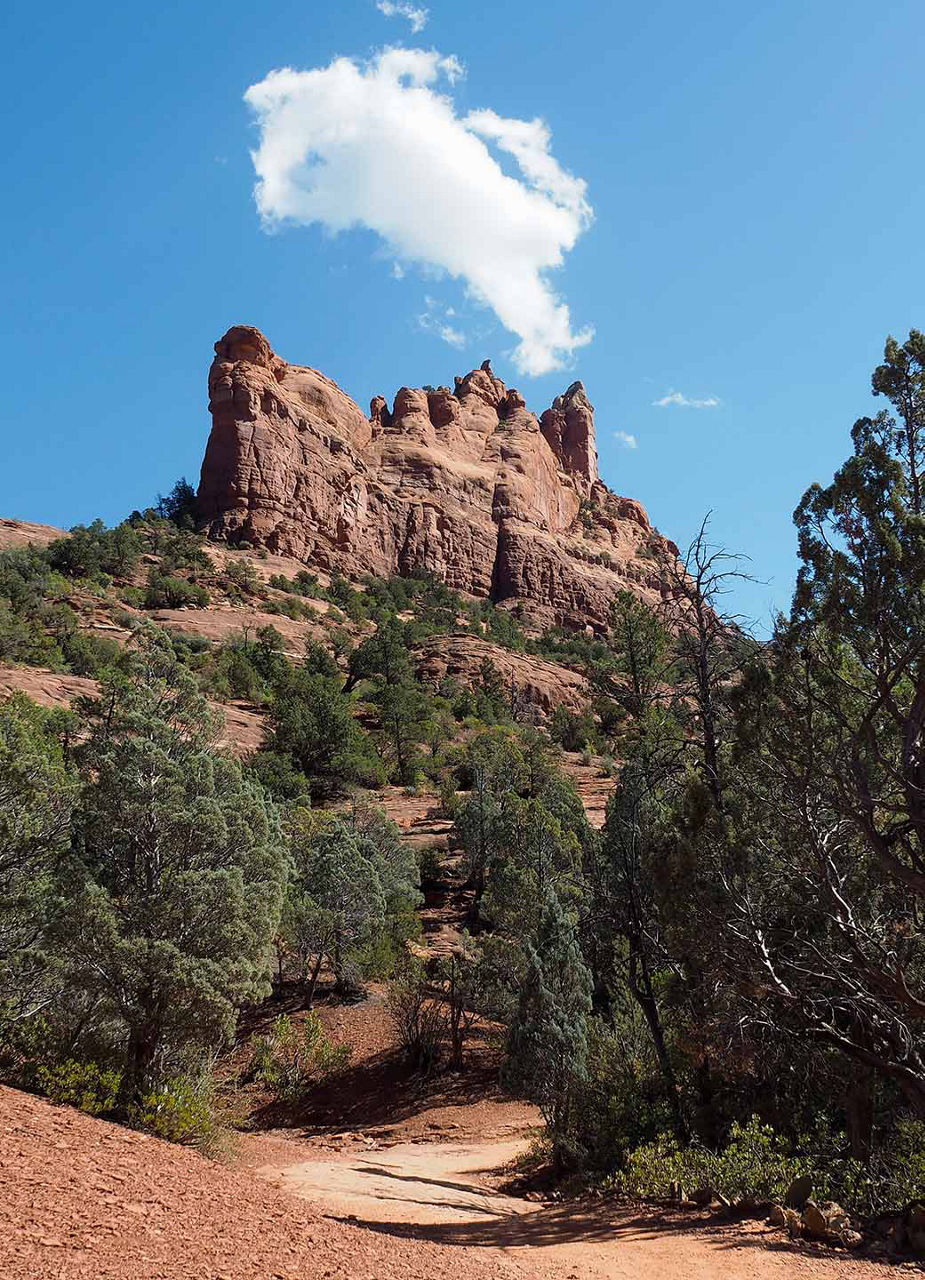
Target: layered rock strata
467, 484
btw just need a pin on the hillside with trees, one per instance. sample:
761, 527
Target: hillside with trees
717, 986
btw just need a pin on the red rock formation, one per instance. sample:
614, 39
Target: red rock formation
466, 484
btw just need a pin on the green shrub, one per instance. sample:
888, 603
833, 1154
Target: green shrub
164, 592
241, 577
574, 731
84, 1085
430, 861
758, 1166
180, 1110
755, 1166
87, 654
295, 1057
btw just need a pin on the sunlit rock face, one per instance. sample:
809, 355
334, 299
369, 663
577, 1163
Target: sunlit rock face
467, 484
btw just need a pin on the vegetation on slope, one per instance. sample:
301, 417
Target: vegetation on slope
725, 983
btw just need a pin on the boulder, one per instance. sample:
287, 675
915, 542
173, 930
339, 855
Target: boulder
822, 1222
801, 1190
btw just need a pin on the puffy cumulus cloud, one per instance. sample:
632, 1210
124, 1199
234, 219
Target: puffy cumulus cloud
681, 401
415, 14
379, 145
628, 441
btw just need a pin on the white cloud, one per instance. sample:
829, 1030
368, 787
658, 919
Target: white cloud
377, 145
624, 438
436, 320
686, 402
415, 14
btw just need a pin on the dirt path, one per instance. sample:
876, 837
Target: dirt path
441, 1193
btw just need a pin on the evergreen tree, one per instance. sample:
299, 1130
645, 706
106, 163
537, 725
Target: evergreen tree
37, 791
547, 1046
314, 724
336, 900
180, 871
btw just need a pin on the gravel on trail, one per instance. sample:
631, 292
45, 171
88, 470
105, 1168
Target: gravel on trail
81, 1199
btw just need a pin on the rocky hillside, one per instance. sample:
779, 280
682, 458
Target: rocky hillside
467, 484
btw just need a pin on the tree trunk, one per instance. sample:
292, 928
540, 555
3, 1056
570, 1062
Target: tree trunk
859, 1108
139, 1059
640, 984
309, 993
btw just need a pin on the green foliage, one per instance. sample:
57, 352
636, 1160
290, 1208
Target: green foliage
92, 550
37, 794
241, 578
166, 592
336, 904
295, 1057
178, 876
84, 1085
178, 549
279, 776
755, 1166
758, 1165
179, 506
547, 1045
179, 1110
431, 864
418, 1017
573, 730
313, 723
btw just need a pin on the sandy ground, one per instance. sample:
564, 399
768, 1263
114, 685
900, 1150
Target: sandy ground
81, 1199
443, 1193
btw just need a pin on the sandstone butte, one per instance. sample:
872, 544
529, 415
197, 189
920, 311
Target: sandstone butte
466, 484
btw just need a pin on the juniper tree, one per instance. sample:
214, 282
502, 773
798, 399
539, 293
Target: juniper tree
336, 901
313, 723
547, 1045
37, 792
829, 888
179, 871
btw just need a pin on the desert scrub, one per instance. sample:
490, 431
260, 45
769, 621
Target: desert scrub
755, 1166
84, 1085
295, 1057
181, 1110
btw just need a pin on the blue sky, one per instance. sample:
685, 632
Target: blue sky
757, 191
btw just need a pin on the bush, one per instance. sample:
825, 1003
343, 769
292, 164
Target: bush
296, 1057
430, 861
755, 1166
573, 731
419, 1020
241, 578
164, 592
84, 1085
87, 654
180, 1110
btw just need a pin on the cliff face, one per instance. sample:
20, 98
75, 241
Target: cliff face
467, 484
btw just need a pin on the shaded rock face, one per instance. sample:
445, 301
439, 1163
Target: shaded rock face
467, 484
